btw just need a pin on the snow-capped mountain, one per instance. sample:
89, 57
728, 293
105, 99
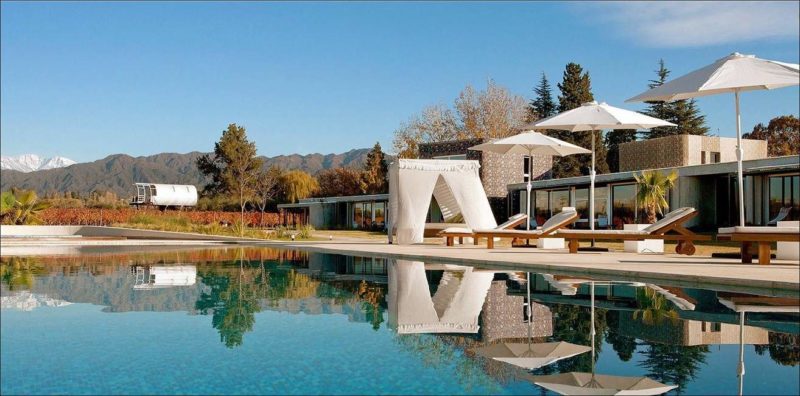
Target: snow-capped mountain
32, 162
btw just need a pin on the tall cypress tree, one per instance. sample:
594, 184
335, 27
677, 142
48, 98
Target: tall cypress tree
543, 105
576, 89
683, 113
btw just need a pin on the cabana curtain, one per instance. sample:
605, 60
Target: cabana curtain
454, 308
455, 184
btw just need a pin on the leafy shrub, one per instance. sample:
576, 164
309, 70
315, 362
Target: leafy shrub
305, 231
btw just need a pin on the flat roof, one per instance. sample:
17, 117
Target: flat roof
788, 163
304, 203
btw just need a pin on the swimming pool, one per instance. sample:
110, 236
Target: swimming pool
268, 321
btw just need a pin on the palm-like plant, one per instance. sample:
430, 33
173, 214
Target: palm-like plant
651, 192
653, 307
25, 209
7, 202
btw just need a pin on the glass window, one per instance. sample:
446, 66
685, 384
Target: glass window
623, 203
582, 206
558, 200
358, 216
775, 196
541, 209
380, 219
367, 215
795, 213
601, 207
714, 157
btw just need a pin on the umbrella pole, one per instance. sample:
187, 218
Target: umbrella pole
528, 188
739, 158
740, 368
528, 308
591, 190
591, 289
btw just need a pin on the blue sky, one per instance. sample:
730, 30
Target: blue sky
85, 80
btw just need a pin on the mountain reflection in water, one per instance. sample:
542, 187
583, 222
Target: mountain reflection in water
439, 313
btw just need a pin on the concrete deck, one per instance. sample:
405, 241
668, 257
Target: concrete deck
779, 278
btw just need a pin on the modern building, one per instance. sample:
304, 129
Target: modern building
357, 212
706, 181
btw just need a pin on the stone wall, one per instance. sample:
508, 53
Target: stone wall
497, 170
683, 150
503, 316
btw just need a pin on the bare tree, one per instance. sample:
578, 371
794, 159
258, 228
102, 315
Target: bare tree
266, 188
492, 113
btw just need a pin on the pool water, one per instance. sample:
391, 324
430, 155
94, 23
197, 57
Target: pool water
267, 321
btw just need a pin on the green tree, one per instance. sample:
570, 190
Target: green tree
576, 89
233, 168
613, 139
651, 192
782, 135
296, 185
673, 364
376, 172
543, 105
653, 307
683, 113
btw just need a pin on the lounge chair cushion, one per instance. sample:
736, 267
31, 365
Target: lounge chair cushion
457, 230
511, 220
510, 232
604, 232
558, 220
669, 218
759, 230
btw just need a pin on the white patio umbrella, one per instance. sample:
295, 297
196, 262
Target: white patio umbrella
734, 73
530, 143
578, 383
593, 116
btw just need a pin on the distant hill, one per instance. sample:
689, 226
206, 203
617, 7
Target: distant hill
118, 172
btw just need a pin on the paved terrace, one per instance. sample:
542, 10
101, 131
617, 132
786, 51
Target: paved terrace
780, 278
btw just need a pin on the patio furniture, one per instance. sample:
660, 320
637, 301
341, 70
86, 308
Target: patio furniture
564, 218
451, 233
670, 228
763, 236
781, 216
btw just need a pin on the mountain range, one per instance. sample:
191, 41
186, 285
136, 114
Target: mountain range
118, 172
32, 162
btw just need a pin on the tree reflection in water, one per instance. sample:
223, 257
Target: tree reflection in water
673, 364
19, 273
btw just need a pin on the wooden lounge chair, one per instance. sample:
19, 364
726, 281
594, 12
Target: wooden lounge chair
763, 236
564, 218
451, 233
670, 228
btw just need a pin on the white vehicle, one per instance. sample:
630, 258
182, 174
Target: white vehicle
158, 277
163, 195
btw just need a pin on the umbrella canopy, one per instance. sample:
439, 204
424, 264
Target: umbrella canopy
531, 356
531, 143
734, 73
576, 383
593, 116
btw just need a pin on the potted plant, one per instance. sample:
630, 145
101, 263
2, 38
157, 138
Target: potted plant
651, 195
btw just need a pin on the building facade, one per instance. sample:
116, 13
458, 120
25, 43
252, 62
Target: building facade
770, 184
357, 212
684, 150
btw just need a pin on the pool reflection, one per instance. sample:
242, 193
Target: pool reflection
546, 329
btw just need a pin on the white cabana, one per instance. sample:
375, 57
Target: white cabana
455, 184
454, 308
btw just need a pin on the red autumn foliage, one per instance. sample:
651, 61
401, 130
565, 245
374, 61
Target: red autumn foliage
94, 216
